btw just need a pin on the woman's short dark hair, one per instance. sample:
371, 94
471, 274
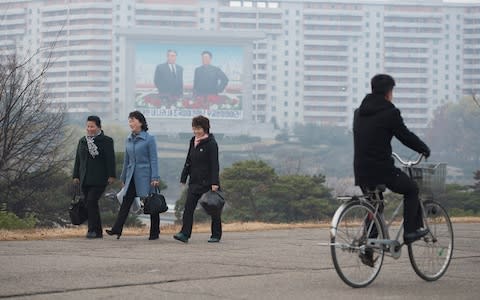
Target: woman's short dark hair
382, 84
201, 121
96, 120
140, 117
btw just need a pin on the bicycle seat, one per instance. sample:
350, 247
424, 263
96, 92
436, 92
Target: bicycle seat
379, 188
373, 191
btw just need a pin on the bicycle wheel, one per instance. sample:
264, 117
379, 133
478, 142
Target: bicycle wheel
356, 264
431, 255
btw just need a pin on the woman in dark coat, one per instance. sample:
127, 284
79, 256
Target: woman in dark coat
202, 167
139, 173
94, 169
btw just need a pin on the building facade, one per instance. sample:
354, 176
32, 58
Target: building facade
312, 66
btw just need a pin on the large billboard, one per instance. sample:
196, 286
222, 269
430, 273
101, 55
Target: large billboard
184, 80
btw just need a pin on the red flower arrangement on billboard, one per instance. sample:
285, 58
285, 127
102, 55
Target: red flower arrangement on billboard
151, 98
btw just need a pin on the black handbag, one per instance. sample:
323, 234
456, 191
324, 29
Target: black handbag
212, 202
78, 211
154, 203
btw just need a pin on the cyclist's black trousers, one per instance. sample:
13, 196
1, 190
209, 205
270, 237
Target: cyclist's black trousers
401, 183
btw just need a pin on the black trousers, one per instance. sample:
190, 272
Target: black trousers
92, 196
125, 209
190, 205
401, 183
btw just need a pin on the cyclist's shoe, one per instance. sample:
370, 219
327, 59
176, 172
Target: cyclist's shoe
367, 258
411, 237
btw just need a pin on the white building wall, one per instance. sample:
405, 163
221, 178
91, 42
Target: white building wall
313, 65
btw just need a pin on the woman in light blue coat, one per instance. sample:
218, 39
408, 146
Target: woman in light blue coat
139, 173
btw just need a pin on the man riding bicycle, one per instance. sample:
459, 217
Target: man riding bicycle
375, 123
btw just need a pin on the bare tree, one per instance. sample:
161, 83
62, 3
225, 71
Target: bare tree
474, 98
31, 130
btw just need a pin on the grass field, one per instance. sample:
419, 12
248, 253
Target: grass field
80, 231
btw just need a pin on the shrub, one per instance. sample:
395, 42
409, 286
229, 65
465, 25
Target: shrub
9, 220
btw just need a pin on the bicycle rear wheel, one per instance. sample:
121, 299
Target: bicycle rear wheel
431, 255
352, 224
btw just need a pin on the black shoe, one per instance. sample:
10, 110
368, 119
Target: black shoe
153, 237
93, 235
367, 258
411, 237
111, 232
214, 240
181, 237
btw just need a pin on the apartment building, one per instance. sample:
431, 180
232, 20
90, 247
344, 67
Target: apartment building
313, 64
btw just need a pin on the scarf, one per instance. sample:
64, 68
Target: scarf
92, 148
197, 140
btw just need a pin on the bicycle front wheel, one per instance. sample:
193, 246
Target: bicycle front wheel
431, 255
356, 264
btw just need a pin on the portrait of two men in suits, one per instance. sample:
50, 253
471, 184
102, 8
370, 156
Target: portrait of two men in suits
208, 80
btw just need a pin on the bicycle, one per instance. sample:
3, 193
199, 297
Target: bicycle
360, 238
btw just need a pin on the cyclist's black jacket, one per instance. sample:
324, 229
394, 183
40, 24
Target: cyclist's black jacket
375, 122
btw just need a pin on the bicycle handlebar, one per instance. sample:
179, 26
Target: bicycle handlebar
408, 163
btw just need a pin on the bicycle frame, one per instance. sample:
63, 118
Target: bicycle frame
392, 246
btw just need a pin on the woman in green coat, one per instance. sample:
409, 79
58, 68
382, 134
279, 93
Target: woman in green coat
94, 169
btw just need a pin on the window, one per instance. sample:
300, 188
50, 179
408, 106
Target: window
272, 4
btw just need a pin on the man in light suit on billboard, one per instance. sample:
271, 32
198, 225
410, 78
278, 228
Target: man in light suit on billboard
169, 78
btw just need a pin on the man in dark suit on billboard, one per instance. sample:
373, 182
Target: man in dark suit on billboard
169, 77
208, 79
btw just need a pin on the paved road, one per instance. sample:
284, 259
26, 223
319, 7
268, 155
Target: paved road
277, 264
